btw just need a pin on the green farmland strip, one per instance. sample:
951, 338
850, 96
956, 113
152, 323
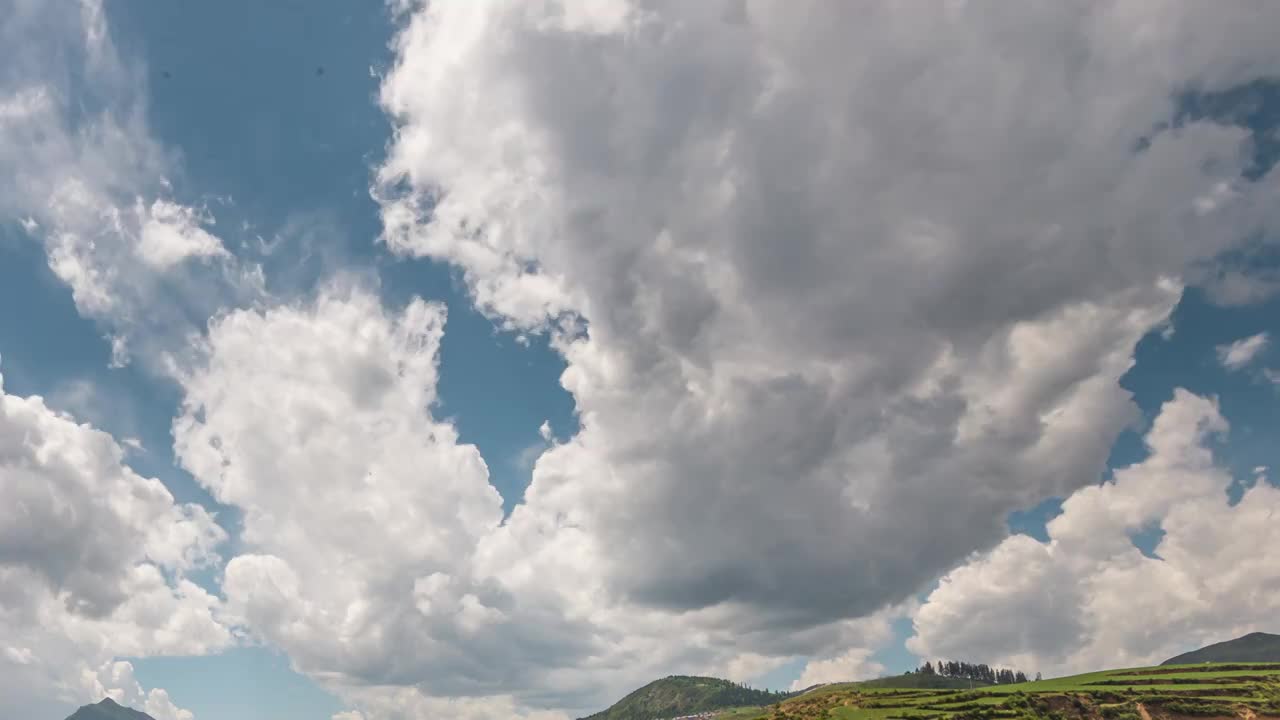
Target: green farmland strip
1224, 690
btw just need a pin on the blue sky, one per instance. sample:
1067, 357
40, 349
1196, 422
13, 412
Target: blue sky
798, 363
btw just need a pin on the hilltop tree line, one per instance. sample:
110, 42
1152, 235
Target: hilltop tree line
748, 693
978, 672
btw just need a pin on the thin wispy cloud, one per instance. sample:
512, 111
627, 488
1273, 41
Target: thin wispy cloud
1239, 354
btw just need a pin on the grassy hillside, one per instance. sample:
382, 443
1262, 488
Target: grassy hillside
922, 681
684, 695
1254, 647
1226, 690
912, 681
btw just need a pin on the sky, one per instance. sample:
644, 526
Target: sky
489, 360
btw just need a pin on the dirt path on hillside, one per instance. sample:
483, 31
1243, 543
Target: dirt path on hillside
1142, 711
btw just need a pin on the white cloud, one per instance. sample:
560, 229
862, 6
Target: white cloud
21, 656
1238, 354
528, 455
116, 680
749, 666
79, 518
361, 512
92, 561
855, 664
87, 179
172, 233
1089, 598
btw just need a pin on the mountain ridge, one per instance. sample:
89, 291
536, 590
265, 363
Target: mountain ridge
108, 709
681, 695
1253, 647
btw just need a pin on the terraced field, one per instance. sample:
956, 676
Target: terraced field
1169, 692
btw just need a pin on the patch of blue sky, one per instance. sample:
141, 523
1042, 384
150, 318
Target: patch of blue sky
895, 657
1187, 359
781, 677
1147, 539
266, 687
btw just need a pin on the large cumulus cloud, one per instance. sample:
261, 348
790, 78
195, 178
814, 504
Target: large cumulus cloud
853, 281
361, 512
93, 564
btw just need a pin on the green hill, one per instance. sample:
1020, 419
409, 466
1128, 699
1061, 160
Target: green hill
108, 710
1223, 691
680, 695
922, 681
1254, 647
909, 681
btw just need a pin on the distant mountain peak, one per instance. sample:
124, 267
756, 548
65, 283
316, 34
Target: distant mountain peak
1254, 647
108, 709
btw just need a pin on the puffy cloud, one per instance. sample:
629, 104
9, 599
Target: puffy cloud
852, 283
851, 657
79, 518
368, 533
1089, 598
853, 664
172, 233
115, 680
361, 513
749, 666
92, 562
85, 178
20, 656
1238, 354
